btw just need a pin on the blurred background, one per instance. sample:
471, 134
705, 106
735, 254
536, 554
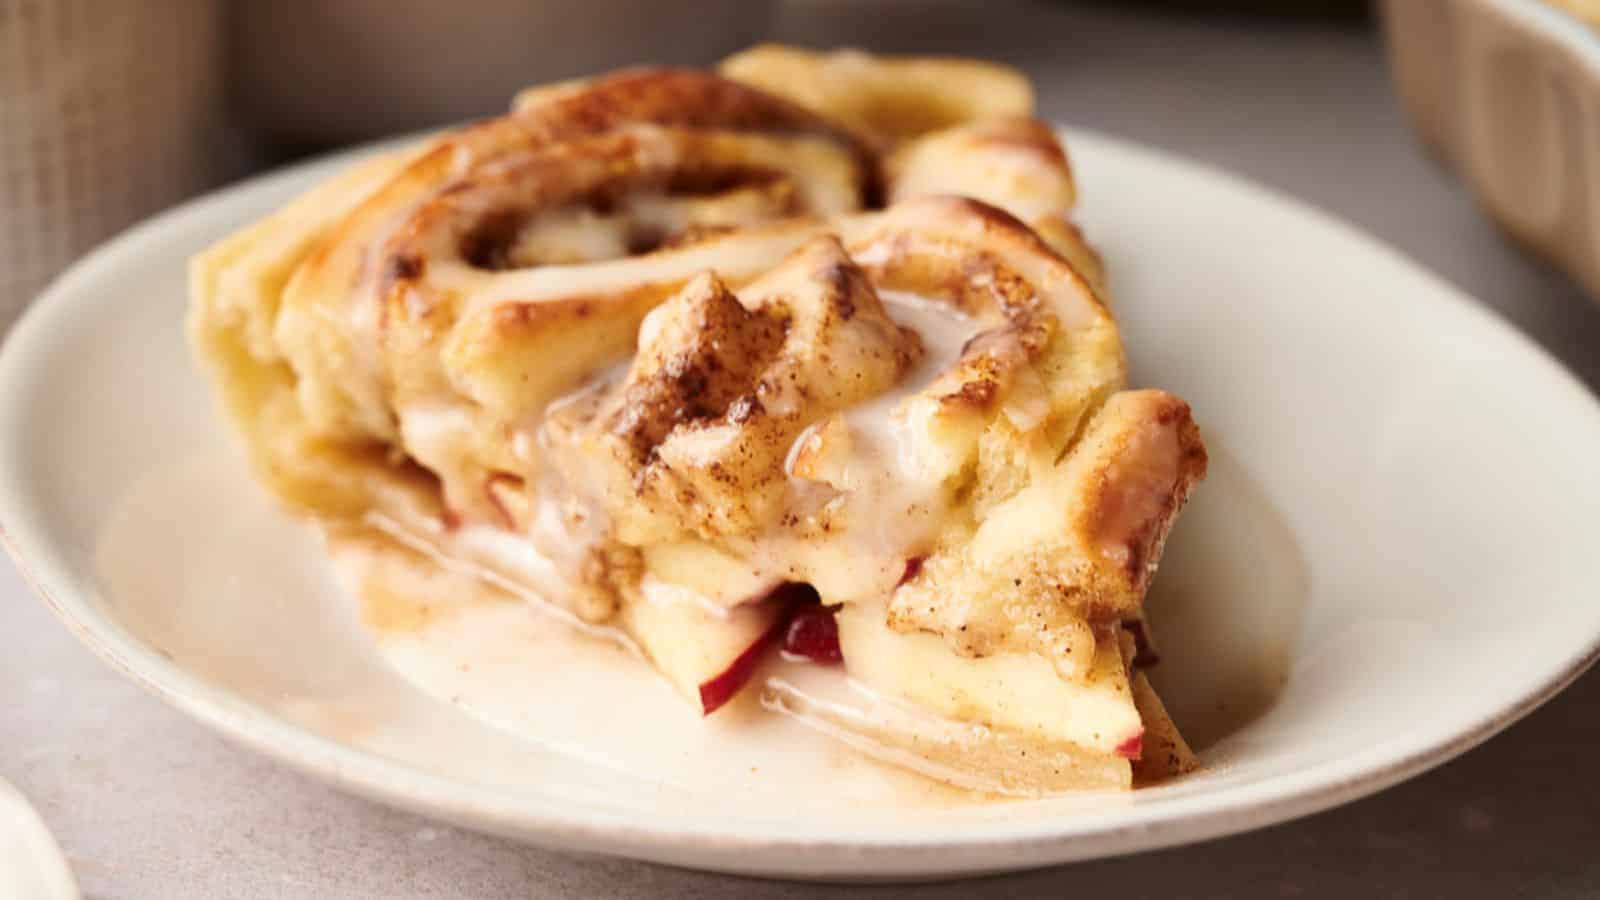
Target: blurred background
112, 111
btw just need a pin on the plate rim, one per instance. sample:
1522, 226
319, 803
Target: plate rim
43, 858
748, 847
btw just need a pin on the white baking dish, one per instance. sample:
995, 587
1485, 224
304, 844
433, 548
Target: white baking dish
1508, 92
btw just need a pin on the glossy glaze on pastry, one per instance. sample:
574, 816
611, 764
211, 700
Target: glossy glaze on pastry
682, 356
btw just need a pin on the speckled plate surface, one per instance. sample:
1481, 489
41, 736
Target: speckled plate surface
1391, 561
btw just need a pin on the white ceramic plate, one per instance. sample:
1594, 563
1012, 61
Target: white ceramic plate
1399, 521
31, 865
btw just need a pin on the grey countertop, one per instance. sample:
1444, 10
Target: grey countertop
149, 805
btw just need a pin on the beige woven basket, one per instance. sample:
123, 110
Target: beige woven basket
107, 113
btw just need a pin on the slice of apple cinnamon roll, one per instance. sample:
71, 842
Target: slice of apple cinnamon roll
653, 348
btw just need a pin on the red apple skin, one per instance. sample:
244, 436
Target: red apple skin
721, 689
813, 634
913, 568
786, 597
1133, 747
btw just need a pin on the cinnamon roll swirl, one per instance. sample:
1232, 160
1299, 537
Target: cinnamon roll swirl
672, 349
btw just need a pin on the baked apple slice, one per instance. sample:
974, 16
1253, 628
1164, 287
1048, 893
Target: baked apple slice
707, 653
1023, 693
959, 753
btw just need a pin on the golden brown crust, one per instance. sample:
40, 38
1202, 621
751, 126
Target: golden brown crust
1014, 163
888, 99
1073, 550
1149, 468
416, 339
1068, 240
